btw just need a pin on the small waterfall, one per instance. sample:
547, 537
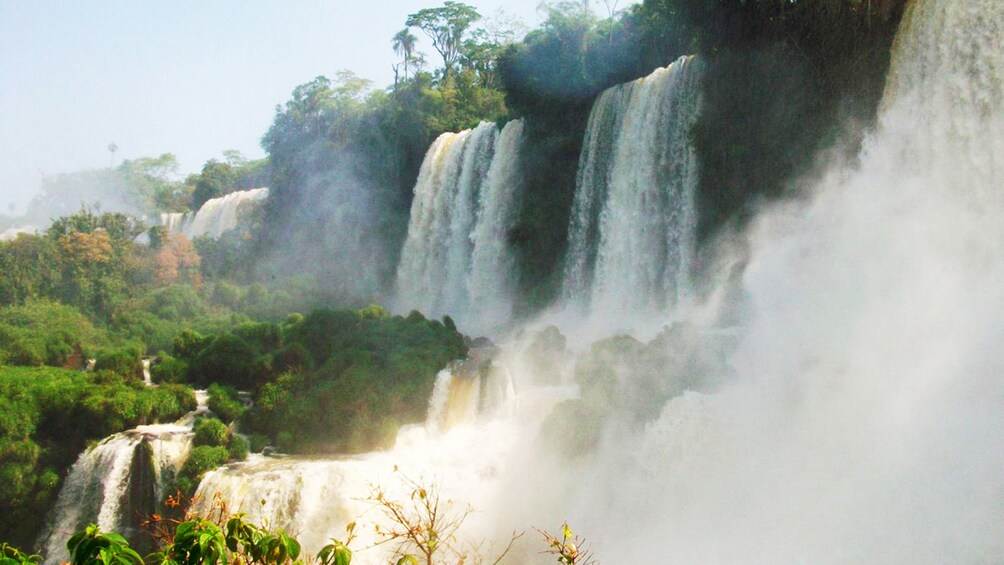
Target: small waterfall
216, 216
469, 390
632, 228
176, 221
147, 377
119, 482
440, 396
456, 259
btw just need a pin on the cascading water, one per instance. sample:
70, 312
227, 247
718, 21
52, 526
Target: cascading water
632, 229
119, 482
456, 260
216, 216
461, 447
492, 262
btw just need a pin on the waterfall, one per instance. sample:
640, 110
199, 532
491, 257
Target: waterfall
456, 259
861, 420
632, 228
216, 216
118, 483
469, 390
493, 265
454, 401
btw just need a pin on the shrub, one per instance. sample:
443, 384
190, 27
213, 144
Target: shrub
184, 396
257, 442
188, 343
224, 403
94, 546
227, 359
264, 336
26, 353
168, 369
203, 459
239, 447
124, 361
211, 432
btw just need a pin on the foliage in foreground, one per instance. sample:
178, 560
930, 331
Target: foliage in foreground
10, 555
422, 527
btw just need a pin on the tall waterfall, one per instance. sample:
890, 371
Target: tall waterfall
632, 230
118, 483
216, 216
862, 421
456, 260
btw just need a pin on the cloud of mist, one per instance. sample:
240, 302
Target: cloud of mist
104, 190
860, 420
331, 229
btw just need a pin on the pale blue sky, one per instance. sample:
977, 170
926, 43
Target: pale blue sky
189, 77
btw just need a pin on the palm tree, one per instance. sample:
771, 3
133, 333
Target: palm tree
404, 45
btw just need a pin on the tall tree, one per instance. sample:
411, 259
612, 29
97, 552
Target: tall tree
445, 26
404, 45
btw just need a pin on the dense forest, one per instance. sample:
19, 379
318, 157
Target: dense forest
284, 307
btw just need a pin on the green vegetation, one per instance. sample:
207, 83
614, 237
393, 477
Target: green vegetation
422, 528
225, 403
332, 381
41, 332
94, 546
10, 555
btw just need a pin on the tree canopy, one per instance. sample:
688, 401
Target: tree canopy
445, 26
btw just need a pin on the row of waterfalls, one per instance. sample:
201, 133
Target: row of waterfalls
631, 236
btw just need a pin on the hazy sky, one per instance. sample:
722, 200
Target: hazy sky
187, 77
